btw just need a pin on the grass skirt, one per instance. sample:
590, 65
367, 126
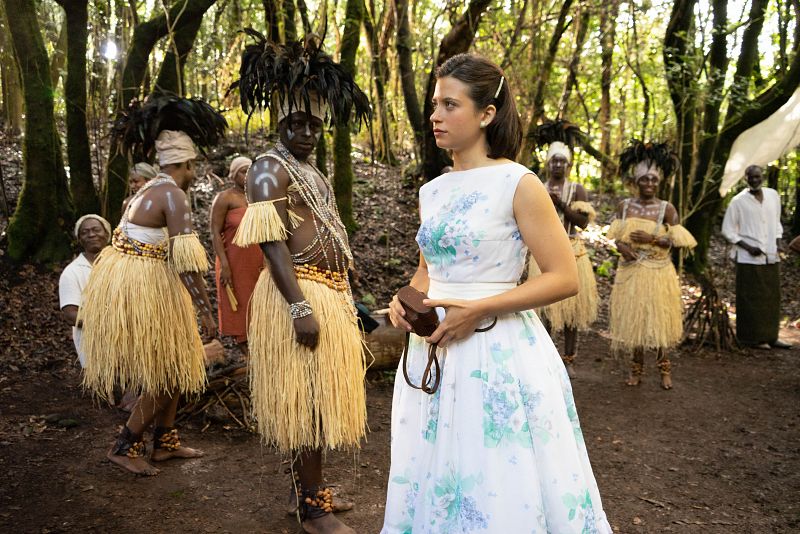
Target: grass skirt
305, 399
579, 311
646, 309
139, 328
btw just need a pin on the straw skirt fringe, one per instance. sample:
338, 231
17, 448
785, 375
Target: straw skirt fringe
646, 310
579, 311
306, 399
139, 328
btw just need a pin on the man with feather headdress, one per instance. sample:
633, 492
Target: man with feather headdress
572, 203
139, 328
306, 357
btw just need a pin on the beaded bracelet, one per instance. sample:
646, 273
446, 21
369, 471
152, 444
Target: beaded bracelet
301, 309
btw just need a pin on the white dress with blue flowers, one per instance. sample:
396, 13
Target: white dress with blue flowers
498, 448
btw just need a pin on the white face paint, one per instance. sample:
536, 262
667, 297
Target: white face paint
170, 202
186, 216
148, 204
187, 230
317, 135
289, 134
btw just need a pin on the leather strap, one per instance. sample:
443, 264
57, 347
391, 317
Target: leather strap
433, 370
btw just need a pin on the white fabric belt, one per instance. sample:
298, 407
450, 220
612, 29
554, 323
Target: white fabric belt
467, 291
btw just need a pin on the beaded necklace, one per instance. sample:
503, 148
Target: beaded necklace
328, 224
125, 238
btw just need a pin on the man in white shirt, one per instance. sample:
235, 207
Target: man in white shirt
752, 225
93, 233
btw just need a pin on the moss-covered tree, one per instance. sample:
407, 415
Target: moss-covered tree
342, 147
81, 182
39, 229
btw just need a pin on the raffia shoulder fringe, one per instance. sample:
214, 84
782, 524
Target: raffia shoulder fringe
261, 223
187, 254
584, 207
615, 229
681, 237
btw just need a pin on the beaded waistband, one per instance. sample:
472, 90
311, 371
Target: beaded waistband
133, 247
334, 280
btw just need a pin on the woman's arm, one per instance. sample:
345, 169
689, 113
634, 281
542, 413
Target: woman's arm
219, 210
544, 235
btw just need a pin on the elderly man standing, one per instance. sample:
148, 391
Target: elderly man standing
753, 225
93, 233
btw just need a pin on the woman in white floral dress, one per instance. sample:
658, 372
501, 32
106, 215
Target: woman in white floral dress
498, 447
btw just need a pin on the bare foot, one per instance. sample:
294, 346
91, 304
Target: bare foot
634, 380
137, 466
159, 455
666, 381
327, 524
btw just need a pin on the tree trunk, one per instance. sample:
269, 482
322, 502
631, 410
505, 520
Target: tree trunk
342, 148
40, 227
301, 7
608, 22
170, 76
572, 72
145, 37
383, 151
12, 110
289, 24
272, 19
81, 181
543, 76
457, 40
59, 56
407, 77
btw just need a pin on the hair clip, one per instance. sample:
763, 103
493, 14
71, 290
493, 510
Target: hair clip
497, 93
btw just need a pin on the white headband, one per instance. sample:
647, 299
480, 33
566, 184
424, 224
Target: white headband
104, 223
318, 107
560, 149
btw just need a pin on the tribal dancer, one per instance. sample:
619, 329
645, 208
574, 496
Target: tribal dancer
306, 356
139, 329
646, 307
575, 211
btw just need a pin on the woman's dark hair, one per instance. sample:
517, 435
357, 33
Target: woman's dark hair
504, 133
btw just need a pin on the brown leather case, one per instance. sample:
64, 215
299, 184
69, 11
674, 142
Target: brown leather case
422, 318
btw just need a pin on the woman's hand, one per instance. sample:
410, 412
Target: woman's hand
461, 320
225, 276
627, 252
306, 331
397, 315
642, 237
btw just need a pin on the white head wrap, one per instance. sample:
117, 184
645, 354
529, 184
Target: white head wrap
106, 225
238, 164
317, 109
174, 147
559, 148
145, 170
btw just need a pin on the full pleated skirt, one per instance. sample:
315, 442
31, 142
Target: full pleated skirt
139, 328
498, 448
302, 398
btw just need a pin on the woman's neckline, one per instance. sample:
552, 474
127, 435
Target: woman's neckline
481, 168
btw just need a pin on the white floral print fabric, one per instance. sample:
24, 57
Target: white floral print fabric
498, 448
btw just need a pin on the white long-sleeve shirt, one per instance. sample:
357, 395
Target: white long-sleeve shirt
756, 223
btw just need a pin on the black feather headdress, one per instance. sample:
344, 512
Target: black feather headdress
272, 73
559, 130
137, 127
659, 154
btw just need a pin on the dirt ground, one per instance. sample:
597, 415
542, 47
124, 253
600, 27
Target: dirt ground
719, 453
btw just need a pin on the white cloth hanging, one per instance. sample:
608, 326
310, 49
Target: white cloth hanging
764, 143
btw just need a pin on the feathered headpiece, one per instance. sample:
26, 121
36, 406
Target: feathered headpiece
556, 131
138, 127
659, 154
298, 74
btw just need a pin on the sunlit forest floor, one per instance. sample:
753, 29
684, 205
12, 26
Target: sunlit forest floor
719, 453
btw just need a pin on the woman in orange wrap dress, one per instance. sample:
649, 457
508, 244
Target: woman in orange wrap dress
237, 268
